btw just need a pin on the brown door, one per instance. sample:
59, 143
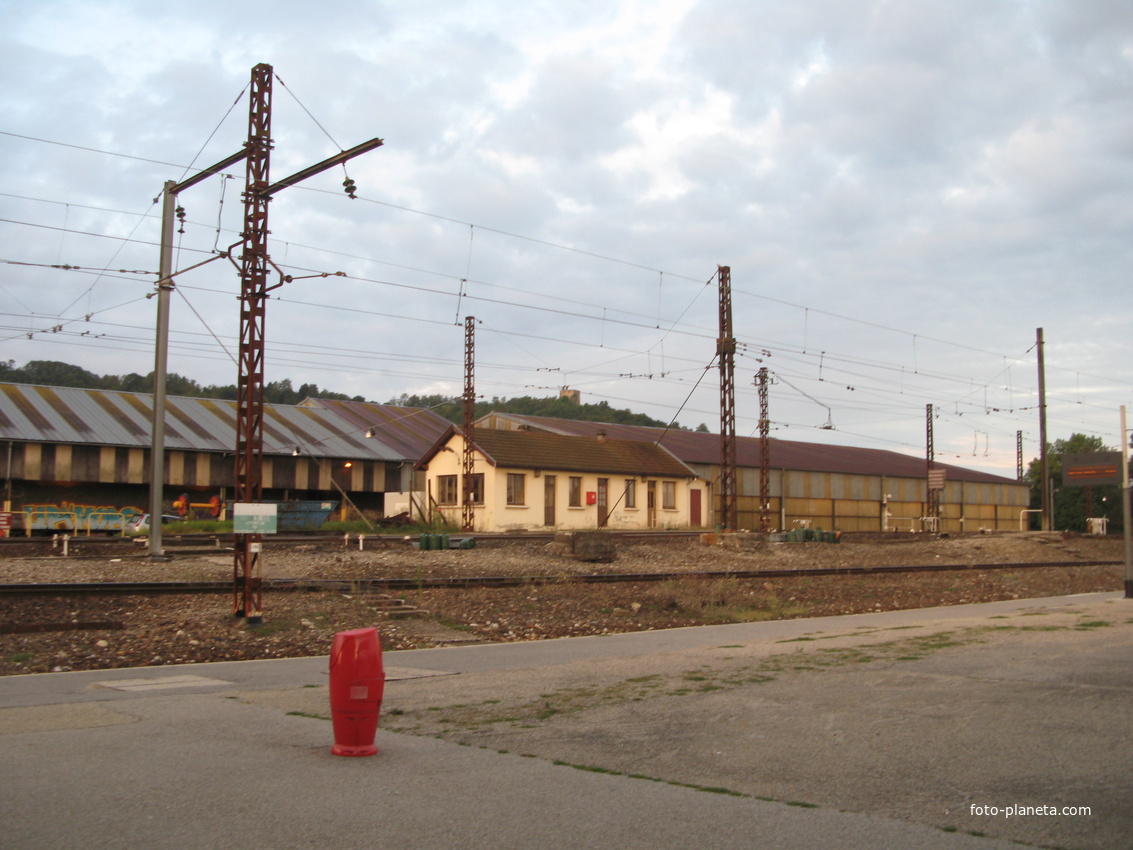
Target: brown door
549, 500
694, 508
651, 503
603, 503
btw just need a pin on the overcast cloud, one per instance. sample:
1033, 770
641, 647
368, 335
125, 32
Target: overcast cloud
904, 192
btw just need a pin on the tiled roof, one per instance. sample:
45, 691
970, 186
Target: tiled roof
701, 448
541, 450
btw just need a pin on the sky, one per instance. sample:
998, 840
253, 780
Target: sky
904, 193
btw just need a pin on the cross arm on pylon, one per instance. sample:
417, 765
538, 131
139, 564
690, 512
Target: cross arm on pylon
318, 167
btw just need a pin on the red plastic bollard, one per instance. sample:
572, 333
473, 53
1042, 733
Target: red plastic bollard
357, 682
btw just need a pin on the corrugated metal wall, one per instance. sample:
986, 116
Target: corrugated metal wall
62, 463
845, 502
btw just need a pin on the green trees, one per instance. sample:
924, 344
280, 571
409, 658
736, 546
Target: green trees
555, 408
1073, 505
52, 373
56, 374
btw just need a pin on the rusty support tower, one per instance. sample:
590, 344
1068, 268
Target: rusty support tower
247, 581
254, 263
932, 495
468, 492
726, 353
762, 381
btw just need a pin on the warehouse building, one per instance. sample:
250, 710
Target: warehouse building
78, 459
829, 487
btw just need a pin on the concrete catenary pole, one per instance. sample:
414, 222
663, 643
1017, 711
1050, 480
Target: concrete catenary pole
1125, 519
1047, 518
161, 357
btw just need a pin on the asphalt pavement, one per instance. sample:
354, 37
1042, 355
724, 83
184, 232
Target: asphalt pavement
970, 726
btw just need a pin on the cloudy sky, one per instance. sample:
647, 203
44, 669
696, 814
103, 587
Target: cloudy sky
904, 193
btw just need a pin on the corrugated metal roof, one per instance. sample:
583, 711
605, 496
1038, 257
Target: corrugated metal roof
81, 416
407, 430
700, 448
543, 450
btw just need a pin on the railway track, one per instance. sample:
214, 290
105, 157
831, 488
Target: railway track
393, 584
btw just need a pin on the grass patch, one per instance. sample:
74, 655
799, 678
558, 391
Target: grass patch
271, 627
309, 714
721, 674
707, 789
455, 626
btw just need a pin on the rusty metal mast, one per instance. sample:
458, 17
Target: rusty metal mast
1019, 455
247, 583
762, 380
726, 352
932, 495
468, 509
254, 262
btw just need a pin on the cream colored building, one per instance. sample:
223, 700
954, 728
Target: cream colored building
535, 480
820, 486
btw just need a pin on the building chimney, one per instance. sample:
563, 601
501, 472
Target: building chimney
601, 436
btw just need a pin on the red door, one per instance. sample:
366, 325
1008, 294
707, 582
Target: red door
549, 500
694, 508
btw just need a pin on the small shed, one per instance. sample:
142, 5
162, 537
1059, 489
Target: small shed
527, 480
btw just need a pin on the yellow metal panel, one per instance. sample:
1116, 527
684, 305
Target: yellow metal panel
176, 473
204, 470
136, 466
856, 508
63, 455
33, 461
106, 465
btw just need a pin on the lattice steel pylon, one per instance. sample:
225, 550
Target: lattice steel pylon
932, 495
468, 466
1019, 455
726, 354
762, 381
254, 263
247, 582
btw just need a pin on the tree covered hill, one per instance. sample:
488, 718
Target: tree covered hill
57, 374
555, 408
53, 373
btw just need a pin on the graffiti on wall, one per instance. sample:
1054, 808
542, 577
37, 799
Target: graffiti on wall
69, 516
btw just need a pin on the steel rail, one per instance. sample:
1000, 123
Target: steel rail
27, 589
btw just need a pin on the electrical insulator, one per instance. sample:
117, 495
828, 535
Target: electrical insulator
181, 218
349, 187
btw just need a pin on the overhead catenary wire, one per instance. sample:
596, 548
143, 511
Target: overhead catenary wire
907, 385
707, 332
836, 315
738, 291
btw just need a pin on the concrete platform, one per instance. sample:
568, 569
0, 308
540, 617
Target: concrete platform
899, 729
